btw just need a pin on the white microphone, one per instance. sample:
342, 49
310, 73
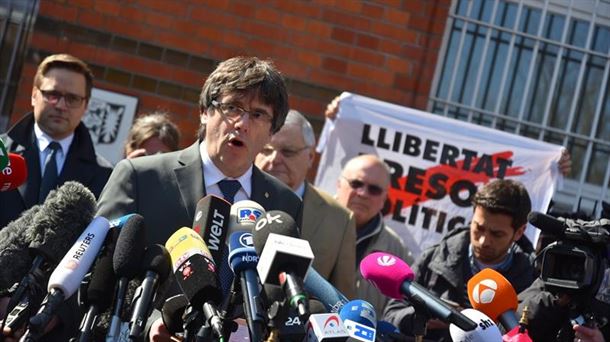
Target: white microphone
325, 327
67, 276
486, 330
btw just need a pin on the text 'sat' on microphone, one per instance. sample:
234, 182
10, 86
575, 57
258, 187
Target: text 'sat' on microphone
486, 330
493, 295
14, 173
394, 278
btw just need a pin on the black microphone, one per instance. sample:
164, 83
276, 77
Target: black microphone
172, 311
157, 266
67, 276
284, 259
45, 232
195, 272
100, 289
126, 264
210, 222
547, 223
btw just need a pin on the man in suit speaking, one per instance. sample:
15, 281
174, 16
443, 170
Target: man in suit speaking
327, 225
242, 103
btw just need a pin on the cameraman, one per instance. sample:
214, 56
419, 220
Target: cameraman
550, 310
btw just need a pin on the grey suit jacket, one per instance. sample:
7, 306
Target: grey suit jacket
331, 230
165, 189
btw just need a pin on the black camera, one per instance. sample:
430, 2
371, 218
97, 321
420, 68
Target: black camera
575, 263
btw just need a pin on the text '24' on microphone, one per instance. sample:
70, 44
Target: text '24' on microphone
394, 278
283, 260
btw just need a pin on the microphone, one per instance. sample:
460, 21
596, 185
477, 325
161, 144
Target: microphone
319, 288
172, 311
195, 272
359, 319
157, 266
46, 232
243, 216
394, 278
3, 155
243, 260
99, 291
547, 223
325, 327
486, 330
126, 264
492, 294
118, 223
284, 260
14, 173
67, 276
210, 222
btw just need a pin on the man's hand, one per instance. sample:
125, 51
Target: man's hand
586, 334
136, 153
565, 163
332, 108
159, 333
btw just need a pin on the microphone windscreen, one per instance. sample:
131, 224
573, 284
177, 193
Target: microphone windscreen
324, 291
172, 312
359, 311
14, 174
243, 216
274, 221
101, 285
156, 259
546, 223
486, 330
211, 223
491, 293
241, 252
386, 272
130, 248
15, 258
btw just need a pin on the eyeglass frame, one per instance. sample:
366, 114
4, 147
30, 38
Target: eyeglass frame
372, 189
46, 94
286, 152
241, 112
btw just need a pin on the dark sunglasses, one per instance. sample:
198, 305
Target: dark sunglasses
372, 189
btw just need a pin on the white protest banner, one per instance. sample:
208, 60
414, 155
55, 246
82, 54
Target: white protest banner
437, 164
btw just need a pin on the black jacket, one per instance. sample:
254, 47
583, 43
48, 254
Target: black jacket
82, 165
444, 269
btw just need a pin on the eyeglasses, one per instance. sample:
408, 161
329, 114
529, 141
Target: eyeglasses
53, 97
286, 152
372, 189
233, 111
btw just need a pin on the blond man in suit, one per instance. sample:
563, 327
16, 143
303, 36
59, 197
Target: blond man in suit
328, 226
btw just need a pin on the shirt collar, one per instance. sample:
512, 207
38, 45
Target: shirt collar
300, 191
44, 139
213, 175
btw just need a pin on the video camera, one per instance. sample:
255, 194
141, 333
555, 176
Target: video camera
575, 263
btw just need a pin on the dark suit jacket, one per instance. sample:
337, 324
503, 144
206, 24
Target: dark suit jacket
331, 230
165, 189
82, 165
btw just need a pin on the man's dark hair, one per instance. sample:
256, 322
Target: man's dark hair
505, 196
246, 75
68, 62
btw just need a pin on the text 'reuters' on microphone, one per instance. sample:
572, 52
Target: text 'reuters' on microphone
486, 330
493, 295
14, 173
284, 259
126, 262
394, 278
33, 244
195, 272
156, 266
67, 276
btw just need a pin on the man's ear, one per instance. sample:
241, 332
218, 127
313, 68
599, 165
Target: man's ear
519, 233
33, 98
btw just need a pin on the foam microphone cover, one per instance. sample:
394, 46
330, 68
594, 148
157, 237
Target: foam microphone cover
101, 285
156, 259
274, 221
15, 258
386, 272
172, 312
359, 311
14, 174
491, 293
129, 248
486, 330
243, 216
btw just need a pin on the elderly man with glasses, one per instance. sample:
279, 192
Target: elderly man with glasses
326, 224
54, 142
363, 188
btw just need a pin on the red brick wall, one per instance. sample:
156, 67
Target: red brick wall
386, 49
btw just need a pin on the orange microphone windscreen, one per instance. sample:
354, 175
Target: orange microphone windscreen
491, 293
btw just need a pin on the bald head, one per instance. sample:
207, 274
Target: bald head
363, 187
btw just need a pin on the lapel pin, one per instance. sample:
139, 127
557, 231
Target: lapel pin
266, 195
